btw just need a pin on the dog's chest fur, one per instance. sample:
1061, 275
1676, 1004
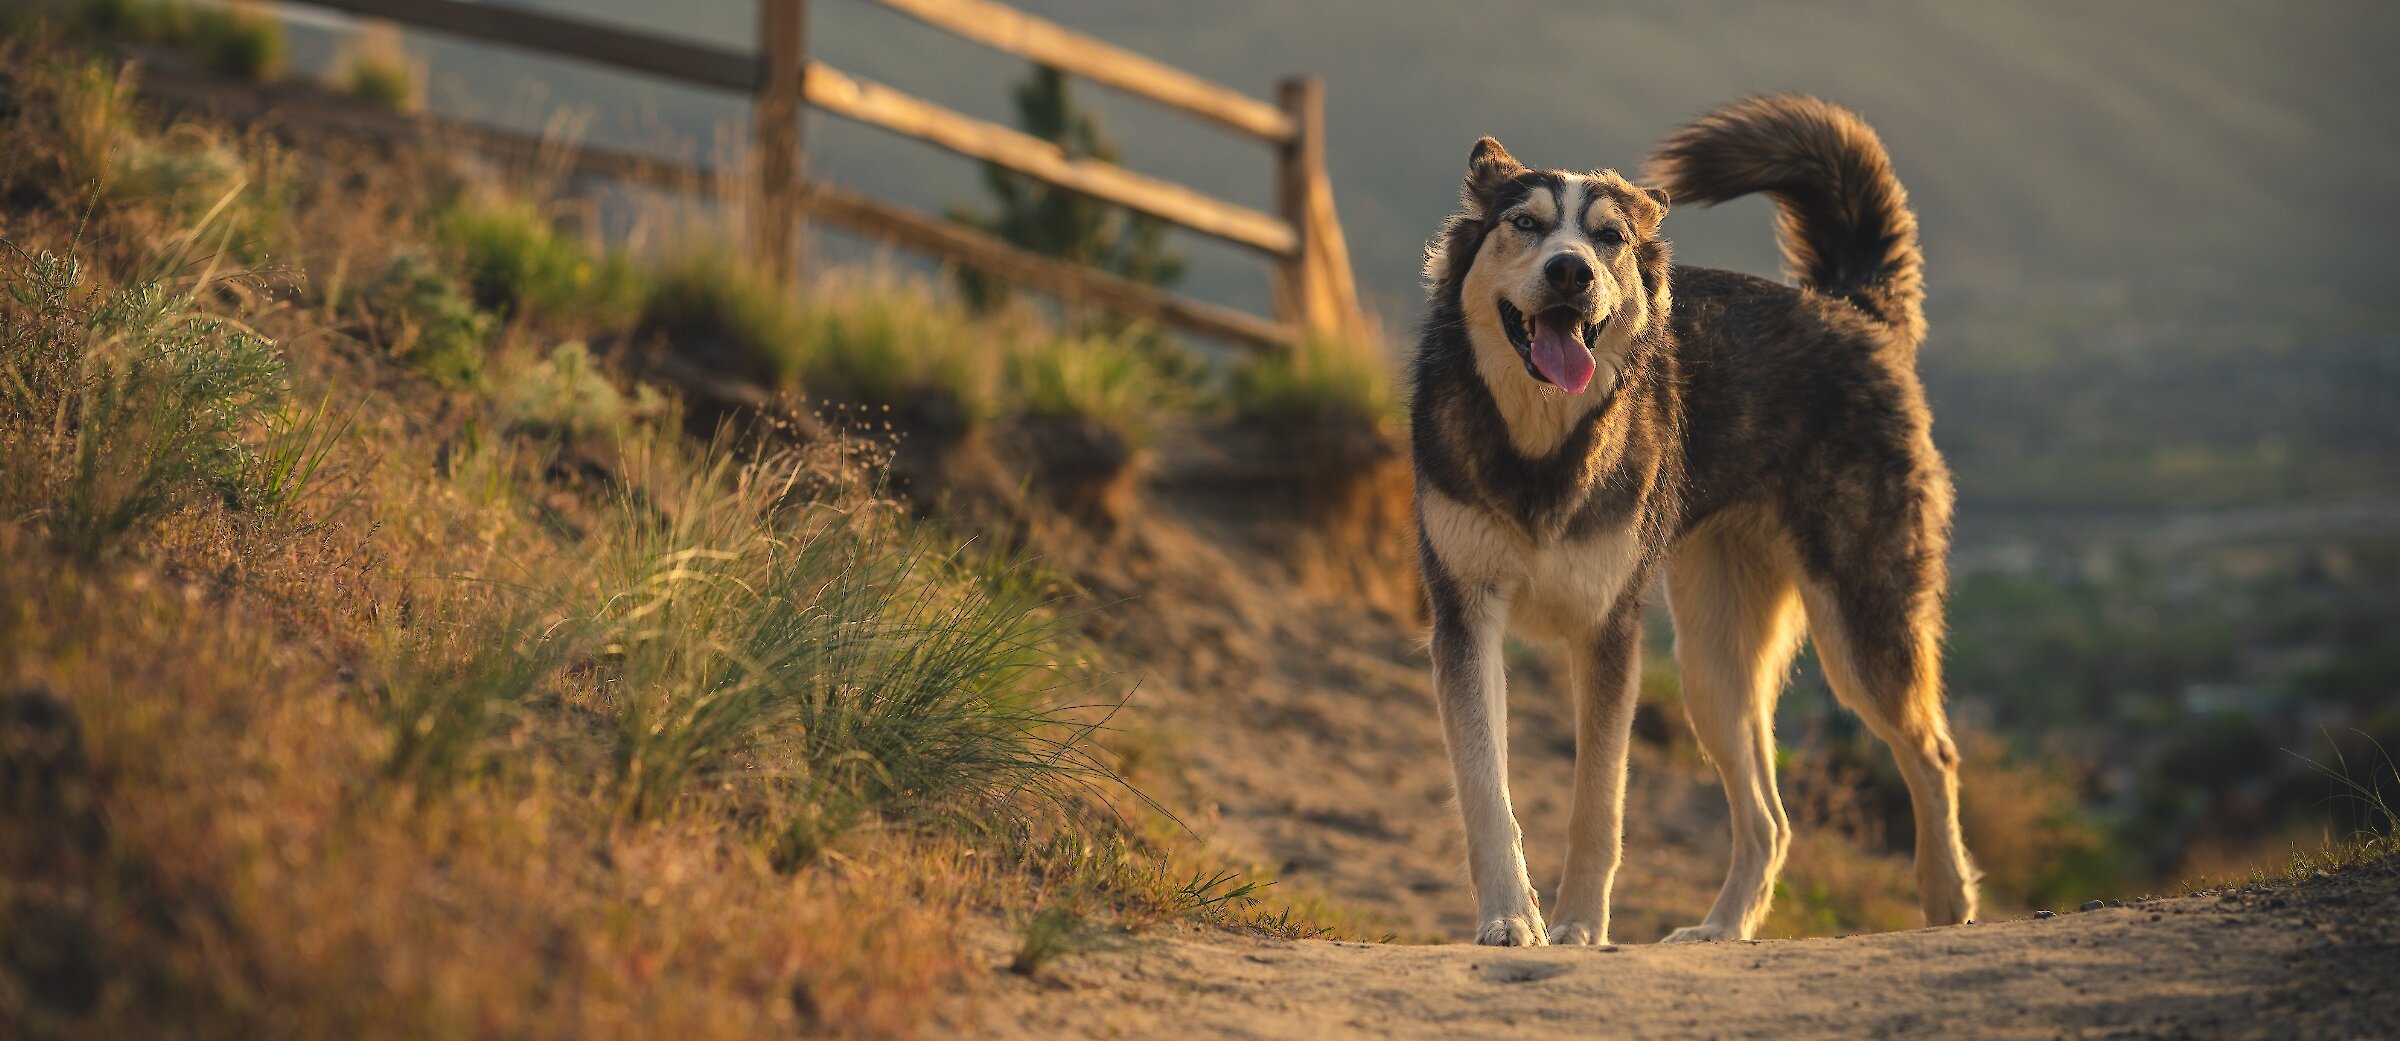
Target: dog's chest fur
1557, 533
1556, 588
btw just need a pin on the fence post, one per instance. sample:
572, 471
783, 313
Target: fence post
775, 135
1296, 292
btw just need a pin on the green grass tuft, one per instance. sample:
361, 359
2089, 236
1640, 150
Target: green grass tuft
515, 263
1318, 381
897, 346
707, 305
376, 69
831, 656
1101, 380
240, 40
419, 312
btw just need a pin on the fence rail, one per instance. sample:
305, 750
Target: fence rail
1314, 291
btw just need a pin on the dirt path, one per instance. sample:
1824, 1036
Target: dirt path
1307, 731
2318, 960
1306, 727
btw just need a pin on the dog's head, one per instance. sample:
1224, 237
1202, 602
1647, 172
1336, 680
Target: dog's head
1550, 270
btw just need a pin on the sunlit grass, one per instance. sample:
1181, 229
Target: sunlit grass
515, 263
118, 406
1316, 381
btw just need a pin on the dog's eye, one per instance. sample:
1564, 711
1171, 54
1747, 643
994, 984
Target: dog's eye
1611, 235
1524, 222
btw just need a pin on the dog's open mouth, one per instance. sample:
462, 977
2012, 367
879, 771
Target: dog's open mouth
1555, 345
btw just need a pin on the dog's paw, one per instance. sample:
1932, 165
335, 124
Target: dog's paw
1577, 934
1702, 933
1522, 929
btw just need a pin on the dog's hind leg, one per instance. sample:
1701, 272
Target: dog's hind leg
1881, 649
1603, 671
1737, 624
1470, 687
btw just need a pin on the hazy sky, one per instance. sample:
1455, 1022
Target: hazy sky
2130, 143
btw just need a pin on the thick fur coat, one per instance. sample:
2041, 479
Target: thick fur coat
1586, 415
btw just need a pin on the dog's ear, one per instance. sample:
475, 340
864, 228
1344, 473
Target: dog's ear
1488, 167
1648, 206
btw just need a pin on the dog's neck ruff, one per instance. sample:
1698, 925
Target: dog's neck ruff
1539, 417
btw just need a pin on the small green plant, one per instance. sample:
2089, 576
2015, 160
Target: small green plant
706, 305
808, 652
1317, 381
300, 441
418, 312
2377, 837
240, 39
516, 263
118, 407
567, 393
1098, 379
151, 21
895, 346
374, 68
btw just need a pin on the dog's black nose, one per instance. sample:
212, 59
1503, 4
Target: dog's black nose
1568, 273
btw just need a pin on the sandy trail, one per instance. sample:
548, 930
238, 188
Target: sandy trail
2318, 960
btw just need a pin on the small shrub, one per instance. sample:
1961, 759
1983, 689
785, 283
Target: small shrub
420, 314
1317, 381
894, 346
709, 307
567, 393
152, 21
116, 408
241, 40
517, 263
374, 68
1095, 379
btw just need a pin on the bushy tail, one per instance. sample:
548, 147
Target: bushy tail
1843, 219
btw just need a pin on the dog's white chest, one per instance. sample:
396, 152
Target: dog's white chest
1569, 587
1556, 589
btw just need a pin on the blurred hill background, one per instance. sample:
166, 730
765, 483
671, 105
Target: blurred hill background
2166, 341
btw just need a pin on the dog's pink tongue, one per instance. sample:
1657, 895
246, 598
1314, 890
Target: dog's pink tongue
1559, 352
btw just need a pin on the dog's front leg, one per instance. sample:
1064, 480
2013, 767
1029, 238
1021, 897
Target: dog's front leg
1471, 688
1604, 673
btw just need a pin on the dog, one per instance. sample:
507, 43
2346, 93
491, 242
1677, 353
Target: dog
1587, 416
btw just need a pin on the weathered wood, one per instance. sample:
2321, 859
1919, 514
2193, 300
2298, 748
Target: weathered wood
1290, 282
1007, 29
1315, 291
1330, 253
1066, 280
775, 134
880, 106
573, 37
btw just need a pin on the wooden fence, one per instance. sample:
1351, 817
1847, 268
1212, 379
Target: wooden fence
1314, 291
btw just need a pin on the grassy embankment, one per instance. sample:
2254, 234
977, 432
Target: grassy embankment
398, 668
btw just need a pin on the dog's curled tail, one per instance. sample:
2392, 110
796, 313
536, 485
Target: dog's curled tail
1843, 219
